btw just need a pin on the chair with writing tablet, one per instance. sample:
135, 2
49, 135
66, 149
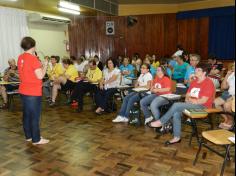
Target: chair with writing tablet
223, 138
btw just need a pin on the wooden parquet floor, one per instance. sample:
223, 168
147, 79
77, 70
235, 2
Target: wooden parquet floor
88, 145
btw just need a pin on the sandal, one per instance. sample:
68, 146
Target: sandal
167, 143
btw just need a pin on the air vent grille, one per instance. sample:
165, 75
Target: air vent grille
106, 6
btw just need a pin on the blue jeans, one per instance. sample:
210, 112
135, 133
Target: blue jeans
128, 103
31, 116
175, 113
102, 97
155, 102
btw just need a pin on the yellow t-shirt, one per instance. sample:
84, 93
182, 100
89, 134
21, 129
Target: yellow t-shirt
72, 73
156, 64
55, 72
94, 75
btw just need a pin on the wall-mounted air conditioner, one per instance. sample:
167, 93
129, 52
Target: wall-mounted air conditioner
44, 18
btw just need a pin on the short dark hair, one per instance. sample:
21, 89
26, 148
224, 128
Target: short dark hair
179, 46
212, 57
204, 68
27, 43
113, 61
181, 57
125, 58
67, 61
96, 56
164, 70
73, 58
56, 57
92, 61
147, 65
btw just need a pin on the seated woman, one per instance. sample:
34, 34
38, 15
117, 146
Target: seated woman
224, 102
160, 85
215, 75
127, 72
200, 95
180, 69
111, 80
65, 82
144, 81
155, 62
148, 61
10, 75
55, 70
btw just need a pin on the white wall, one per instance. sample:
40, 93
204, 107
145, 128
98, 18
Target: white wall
50, 38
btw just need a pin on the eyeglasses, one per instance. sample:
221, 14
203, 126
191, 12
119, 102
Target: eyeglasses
199, 70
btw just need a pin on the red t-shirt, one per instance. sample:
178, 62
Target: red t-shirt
204, 89
29, 83
161, 83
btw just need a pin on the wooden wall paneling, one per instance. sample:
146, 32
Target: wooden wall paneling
170, 34
193, 35
203, 39
157, 34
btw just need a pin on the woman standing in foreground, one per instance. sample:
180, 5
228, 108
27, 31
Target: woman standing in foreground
31, 73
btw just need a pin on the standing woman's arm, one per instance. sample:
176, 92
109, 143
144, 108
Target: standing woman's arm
41, 72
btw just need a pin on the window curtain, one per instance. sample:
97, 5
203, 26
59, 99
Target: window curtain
13, 27
221, 41
222, 36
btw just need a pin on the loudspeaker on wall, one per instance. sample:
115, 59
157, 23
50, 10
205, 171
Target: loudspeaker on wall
110, 28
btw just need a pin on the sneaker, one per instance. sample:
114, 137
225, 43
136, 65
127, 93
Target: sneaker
41, 142
52, 104
147, 120
119, 119
134, 121
29, 140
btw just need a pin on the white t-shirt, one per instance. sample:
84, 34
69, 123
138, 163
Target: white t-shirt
144, 78
80, 67
231, 83
107, 75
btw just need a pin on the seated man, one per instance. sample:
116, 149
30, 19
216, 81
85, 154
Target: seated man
55, 70
200, 95
87, 84
10, 75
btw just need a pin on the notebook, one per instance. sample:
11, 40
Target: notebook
171, 96
140, 89
195, 111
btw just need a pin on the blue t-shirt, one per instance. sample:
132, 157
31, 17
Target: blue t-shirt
128, 68
189, 72
153, 71
168, 71
180, 71
172, 63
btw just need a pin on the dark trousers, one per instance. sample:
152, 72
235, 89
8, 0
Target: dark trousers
80, 90
102, 97
31, 116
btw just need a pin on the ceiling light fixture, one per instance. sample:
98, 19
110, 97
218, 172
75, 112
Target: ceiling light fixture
68, 7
